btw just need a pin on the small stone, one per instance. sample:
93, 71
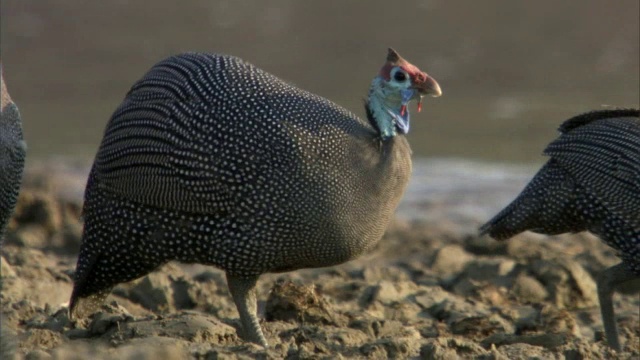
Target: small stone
6, 271
569, 284
153, 292
480, 326
77, 333
292, 302
495, 270
386, 292
32, 236
429, 296
548, 341
39, 208
529, 290
558, 321
445, 348
450, 260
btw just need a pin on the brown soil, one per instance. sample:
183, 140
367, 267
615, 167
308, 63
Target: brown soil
428, 291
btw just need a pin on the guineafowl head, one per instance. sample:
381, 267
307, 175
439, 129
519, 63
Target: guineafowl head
396, 85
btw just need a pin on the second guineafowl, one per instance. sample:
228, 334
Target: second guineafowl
211, 160
591, 182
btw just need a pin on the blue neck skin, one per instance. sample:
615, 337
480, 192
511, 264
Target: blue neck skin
390, 112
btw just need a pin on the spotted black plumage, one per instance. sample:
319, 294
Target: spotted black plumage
591, 182
211, 160
12, 156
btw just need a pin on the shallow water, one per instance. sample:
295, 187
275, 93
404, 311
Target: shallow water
465, 193
459, 192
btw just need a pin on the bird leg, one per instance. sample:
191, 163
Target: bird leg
607, 282
243, 291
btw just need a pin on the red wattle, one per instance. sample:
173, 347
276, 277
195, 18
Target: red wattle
403, 109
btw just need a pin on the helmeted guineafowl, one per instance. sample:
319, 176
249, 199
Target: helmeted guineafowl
211, 160
12, 155
591, 182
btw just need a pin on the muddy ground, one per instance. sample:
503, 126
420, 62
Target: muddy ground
432, 289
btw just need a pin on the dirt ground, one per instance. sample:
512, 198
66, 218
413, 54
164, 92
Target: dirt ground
429, 290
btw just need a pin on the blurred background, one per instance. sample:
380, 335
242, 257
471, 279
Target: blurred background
511, 71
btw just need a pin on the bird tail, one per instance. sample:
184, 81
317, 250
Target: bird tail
512, 220
542, 207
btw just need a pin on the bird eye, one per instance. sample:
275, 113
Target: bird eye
400, 76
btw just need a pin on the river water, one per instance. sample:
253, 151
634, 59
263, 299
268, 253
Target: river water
511, 71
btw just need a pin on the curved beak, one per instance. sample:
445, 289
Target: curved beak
427, 85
